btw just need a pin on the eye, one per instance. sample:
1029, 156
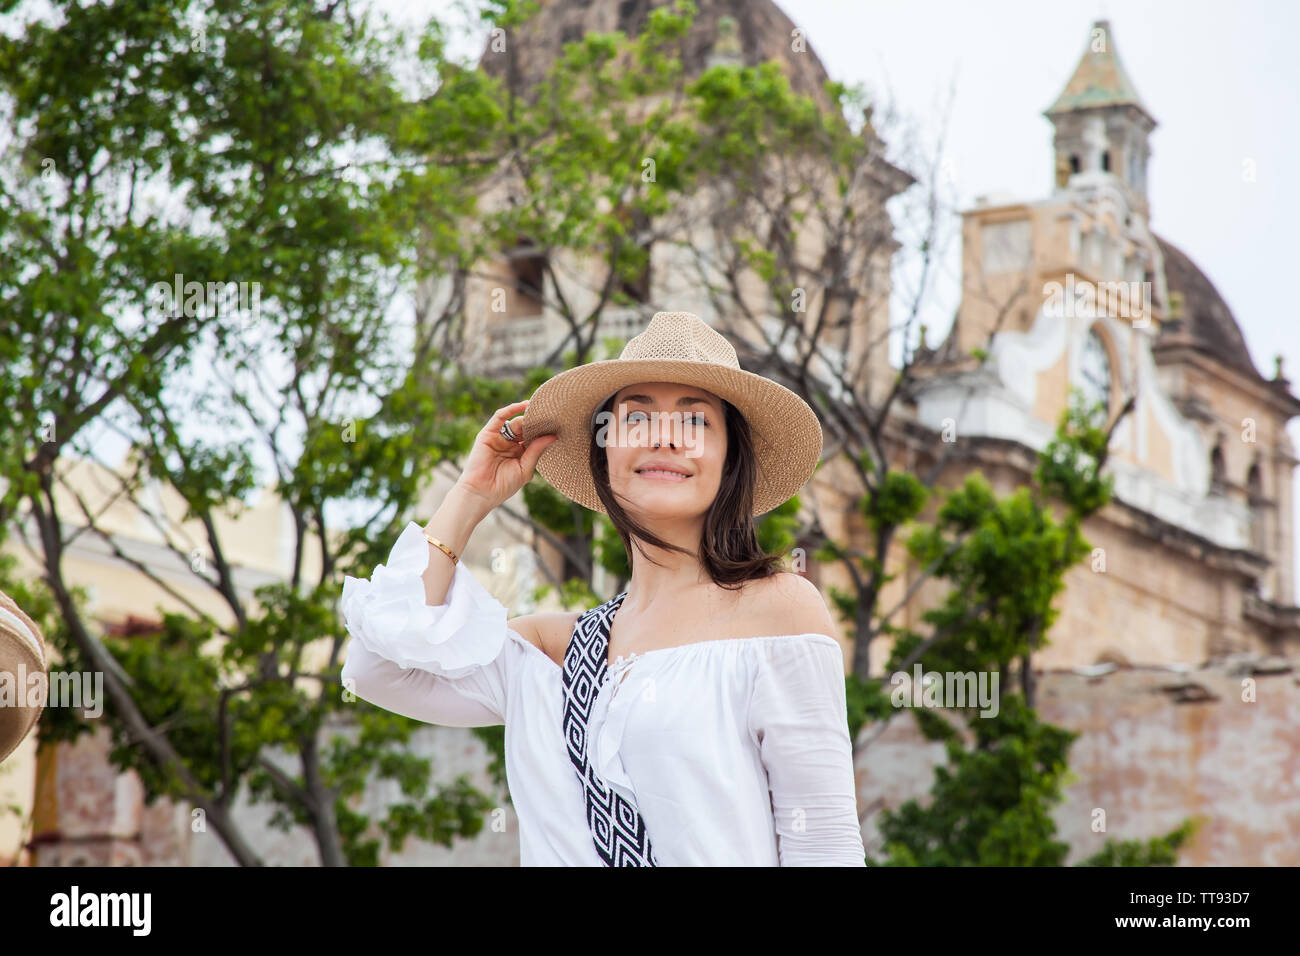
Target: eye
697, 418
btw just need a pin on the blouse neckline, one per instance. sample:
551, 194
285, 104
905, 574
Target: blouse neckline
636, 655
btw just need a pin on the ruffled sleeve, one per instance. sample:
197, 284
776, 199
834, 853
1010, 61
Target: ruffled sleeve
798, 718
444, 664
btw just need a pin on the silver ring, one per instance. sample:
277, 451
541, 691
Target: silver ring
509, 435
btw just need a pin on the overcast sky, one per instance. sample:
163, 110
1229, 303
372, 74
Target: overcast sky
1222, 81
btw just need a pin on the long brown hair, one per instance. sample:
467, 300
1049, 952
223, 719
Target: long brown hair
729, 548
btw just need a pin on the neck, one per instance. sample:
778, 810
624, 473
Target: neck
675, 573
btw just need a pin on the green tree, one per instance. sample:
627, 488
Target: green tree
269, 143
1005, 560
265, 144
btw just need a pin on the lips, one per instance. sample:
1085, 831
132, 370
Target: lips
663, 471
660, 475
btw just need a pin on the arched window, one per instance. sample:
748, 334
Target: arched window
1094, 373
525, 296
1217, 472
1255, 484
1255, 496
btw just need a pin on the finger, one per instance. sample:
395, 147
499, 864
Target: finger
517, 429
492, 430
534, 451
504, 413
502, 445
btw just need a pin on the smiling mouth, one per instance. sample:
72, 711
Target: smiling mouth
659, 474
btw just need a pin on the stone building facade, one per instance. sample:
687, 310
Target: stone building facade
1175, 652
1197, 547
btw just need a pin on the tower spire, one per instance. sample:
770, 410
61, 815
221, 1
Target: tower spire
1100, 78
1101, 123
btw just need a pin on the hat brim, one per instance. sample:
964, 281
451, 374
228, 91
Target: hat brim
787, 436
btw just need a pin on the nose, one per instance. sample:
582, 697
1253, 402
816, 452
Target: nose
666, 427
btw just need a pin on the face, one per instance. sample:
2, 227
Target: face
688, 424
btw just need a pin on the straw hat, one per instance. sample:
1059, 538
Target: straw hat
22, 651
676, 347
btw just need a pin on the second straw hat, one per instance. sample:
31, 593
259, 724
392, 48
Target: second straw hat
22, 651
675, 347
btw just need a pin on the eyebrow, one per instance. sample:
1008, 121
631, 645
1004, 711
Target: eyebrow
681, 402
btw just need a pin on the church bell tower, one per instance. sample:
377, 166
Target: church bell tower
1101, 125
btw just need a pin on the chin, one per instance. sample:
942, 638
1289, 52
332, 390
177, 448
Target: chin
656, 507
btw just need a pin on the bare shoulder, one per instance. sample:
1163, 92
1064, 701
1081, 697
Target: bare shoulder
548, 632
787, 586
791, 604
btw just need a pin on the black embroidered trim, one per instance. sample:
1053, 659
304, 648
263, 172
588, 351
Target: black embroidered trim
616, 826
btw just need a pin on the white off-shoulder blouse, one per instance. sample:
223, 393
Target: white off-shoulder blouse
735, 751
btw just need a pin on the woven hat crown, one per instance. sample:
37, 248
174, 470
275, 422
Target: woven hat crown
681, 336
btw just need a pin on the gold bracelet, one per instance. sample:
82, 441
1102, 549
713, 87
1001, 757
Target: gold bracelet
441, 547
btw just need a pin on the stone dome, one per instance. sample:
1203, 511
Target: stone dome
1206, 319
758, 31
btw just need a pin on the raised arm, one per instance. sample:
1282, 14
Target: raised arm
443, 664
429, 641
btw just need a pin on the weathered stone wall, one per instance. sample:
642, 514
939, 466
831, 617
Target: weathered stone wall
87, 814
1157, 745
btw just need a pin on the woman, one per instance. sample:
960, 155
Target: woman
729, 745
